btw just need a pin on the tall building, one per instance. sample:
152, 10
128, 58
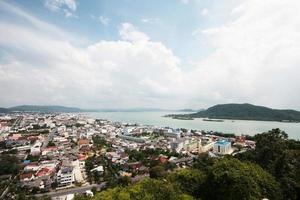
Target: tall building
65, 176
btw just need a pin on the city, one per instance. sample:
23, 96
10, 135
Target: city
149, 100
63, 151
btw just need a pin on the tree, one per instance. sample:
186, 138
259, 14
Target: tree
9, 164
190, 181
146, 189
157, 172
231, 179
280, 157
269, 148
51, 144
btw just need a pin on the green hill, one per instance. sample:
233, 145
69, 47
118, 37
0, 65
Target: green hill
35, 108
244, 112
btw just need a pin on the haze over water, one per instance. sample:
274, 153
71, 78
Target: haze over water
228, 126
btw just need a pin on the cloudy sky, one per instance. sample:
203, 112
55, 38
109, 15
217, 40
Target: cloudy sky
140, 53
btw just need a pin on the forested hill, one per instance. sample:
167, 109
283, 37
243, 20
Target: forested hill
35, 108
244, 112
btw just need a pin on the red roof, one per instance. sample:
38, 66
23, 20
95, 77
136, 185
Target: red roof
81, 157
44, 171
83, 142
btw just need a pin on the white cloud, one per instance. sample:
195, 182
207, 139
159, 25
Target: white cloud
104, 20
257, 55
130, 33
127, 73
67, 7
204, 12
184, 1
256, 60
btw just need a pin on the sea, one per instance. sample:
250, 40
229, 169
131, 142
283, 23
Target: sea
237, 127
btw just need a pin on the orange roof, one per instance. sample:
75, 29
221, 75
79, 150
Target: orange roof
26, 175
44, 171
83, 142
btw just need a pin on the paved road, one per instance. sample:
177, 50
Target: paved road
78, 190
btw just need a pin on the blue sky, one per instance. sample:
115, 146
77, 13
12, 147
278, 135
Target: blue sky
138, 53
171, 22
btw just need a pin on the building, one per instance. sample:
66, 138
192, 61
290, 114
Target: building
65, 176
36, 149
222, 147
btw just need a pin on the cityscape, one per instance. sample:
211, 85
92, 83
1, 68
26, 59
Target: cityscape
72, 152
149, 100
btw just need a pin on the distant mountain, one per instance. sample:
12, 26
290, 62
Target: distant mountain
243, 112
3, 110
35, 108
48, 109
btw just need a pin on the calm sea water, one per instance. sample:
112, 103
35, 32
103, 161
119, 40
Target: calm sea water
228, 126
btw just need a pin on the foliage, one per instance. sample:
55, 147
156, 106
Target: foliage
144, 190
189, 181
280, 157
33, 158
231, 179
8, 164
99, 142
51, 144
157, 172
244, 112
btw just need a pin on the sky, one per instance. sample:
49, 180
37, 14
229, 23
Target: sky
141, 53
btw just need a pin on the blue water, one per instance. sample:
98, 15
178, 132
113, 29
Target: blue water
228, 126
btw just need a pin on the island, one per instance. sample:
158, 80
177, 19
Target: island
244, 111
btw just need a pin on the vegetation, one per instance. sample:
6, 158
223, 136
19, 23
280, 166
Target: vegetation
51, 144
9, 164
244, 112
280, 157
144, 190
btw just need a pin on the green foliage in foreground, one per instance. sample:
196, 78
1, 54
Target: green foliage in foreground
147, 189
227, 178
280, 157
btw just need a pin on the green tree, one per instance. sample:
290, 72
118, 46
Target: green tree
157, 172
231, 179
190, 181
8, 164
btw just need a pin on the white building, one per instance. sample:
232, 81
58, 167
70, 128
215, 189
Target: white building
222, 147
36, 149
65, 176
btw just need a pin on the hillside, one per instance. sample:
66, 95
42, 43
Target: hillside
3, 110
35, 108
243, 112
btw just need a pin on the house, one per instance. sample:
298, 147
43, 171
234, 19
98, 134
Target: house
44, 172
83, 142
163, 159
15, 137
26, 176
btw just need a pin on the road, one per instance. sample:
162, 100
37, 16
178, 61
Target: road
80, 190
77, 190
